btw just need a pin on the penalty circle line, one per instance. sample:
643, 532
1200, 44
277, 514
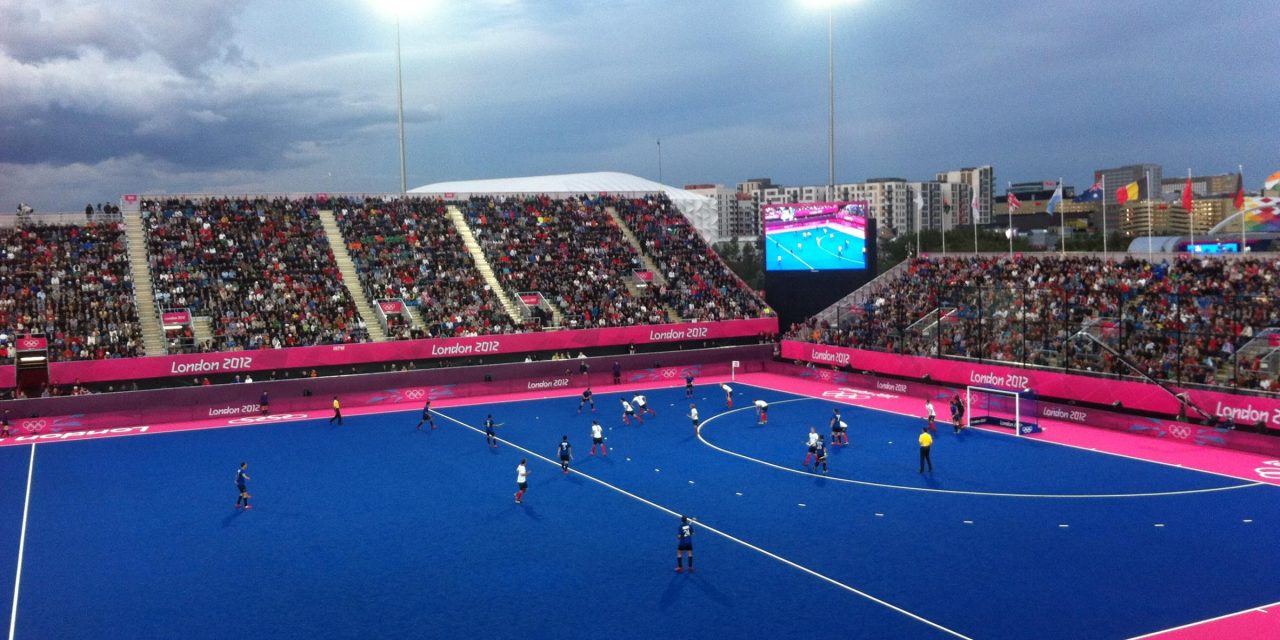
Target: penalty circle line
990, 494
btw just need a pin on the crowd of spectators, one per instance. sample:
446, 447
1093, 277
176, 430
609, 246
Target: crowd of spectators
409, 249
571, 250
699, 286
1182, 321
72, 284
261, 268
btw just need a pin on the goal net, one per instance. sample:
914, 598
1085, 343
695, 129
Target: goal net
1015, 410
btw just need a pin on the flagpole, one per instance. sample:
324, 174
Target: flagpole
945, 214
1104, 216
973, 215
1191, 214
919, 205
1150, 220
1009, 233
1244, 239
1062, 219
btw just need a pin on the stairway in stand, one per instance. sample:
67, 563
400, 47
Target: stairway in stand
350, 279
659, 280
143, 294
482, 265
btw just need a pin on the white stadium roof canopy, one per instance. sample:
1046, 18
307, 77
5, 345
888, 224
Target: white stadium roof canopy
698, 209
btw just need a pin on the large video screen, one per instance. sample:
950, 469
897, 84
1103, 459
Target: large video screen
815, 236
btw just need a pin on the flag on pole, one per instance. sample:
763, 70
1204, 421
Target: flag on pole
1055, 201
1239, 199
1187, 198
1014, 202
1127, 193
1092, 194
1272, 182
974, 205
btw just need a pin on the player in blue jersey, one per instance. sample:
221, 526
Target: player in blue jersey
489, 435
957, 412
586, 399
839, 429
820, 455
684, 544
688, 385
566, 454
241, 479
426, 416
264, 404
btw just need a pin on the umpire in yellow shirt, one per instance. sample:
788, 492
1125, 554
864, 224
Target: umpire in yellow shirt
926, 443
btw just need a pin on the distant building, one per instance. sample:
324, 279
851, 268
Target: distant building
727, 214
1201, 186
1120, 176
981, 180
888, 201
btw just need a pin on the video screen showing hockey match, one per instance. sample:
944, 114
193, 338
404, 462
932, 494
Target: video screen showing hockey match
815, 236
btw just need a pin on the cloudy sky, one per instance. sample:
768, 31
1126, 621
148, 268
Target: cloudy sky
98, 99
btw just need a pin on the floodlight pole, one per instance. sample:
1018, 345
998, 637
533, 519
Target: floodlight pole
404, 187
831, 104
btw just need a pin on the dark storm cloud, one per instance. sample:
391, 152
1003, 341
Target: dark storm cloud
284, 97
186, 34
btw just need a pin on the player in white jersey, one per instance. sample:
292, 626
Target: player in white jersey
642, 405
728, 394
628, 412
693, 415
762, 412
522, 479
813, 445
597, 438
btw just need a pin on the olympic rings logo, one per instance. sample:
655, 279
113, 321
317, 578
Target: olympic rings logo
1271, 472
824, 375
668, 373
846, 394
34, 424
415, 394
30, 343
1181, 431
275, 418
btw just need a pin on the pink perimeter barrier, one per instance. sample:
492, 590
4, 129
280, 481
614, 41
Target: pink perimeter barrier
200, 364
1240, 409
79, 417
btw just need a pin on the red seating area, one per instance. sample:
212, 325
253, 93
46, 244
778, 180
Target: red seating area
72, 284
261, 268
699, 285
409, 249
571, 250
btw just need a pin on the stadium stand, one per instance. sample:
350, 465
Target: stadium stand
260, 268
569, 249
409, 249
699, 285
1197, 321
72, 284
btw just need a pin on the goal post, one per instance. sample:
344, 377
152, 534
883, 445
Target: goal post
1017, 410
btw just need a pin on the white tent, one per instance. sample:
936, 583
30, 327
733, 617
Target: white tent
699, 210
